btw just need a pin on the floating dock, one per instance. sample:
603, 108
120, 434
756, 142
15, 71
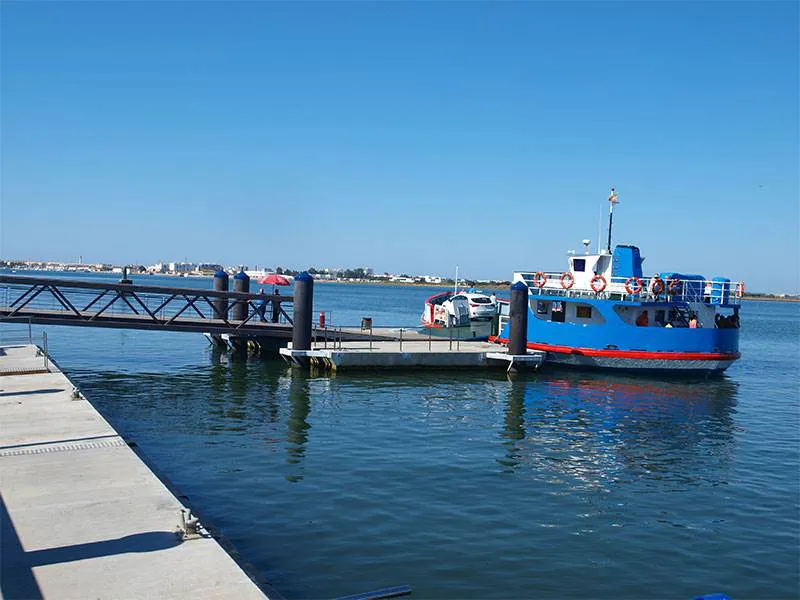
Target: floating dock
82, 515
414, 353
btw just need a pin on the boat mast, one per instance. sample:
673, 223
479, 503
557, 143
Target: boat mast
612, 200
455, 289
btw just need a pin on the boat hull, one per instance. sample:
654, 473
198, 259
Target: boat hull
697, 365
610, 343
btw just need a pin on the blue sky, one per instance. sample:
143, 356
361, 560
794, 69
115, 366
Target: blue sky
408, 136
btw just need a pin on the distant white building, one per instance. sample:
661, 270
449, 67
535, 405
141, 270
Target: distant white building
182, 267
432, 279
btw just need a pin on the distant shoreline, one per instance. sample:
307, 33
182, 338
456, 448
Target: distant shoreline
503, 286
770, 299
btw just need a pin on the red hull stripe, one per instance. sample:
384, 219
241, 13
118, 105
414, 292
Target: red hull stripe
638, 354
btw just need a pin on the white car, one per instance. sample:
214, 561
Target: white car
481, 306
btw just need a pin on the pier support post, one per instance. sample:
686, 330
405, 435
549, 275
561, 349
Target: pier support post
303, 304
518, 321
220, 304
241, 283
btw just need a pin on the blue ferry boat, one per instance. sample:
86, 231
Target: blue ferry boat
602, 312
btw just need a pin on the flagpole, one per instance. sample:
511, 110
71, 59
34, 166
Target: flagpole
612, 200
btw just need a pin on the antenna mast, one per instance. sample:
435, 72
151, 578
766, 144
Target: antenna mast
612, 200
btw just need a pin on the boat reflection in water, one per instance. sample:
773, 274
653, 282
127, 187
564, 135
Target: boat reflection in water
603, 431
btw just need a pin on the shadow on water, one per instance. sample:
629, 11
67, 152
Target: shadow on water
603, 429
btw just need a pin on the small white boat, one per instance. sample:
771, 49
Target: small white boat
456, 309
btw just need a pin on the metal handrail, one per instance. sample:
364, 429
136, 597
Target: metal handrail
729, 290
135, 287
23, 319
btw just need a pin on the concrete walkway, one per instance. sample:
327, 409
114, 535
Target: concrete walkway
82, 515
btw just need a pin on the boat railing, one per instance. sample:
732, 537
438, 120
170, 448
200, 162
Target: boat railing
645, 289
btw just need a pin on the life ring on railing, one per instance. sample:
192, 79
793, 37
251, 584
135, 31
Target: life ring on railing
739, 289
674, 286
539, 279
598, 283
657, 286
637, 285
567, 280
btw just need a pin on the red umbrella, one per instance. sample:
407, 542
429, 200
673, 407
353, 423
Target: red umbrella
274, 279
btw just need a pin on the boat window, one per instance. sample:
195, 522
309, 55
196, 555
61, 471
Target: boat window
481, 300
559, 313
660, 317
541, 307
583, 312
579, 265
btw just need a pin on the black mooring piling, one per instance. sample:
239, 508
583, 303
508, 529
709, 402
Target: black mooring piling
303, 304
518, 321
221, 285
241, 283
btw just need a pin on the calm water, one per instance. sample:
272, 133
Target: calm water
556, 485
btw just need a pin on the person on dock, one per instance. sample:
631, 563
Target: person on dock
276, 306
262, 307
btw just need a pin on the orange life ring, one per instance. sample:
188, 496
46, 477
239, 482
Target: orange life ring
740, 289
674, 286
657, 286
637, 285
539, 279
602, 281
567, 277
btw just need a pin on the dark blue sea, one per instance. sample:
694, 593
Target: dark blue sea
464, 485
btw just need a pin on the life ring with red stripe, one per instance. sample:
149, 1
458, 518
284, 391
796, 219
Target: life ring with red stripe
635, 288
657, 287
739, 289
567, 280
539, 279
598, 283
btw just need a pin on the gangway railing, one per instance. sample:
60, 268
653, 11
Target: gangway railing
634, 289
62, 301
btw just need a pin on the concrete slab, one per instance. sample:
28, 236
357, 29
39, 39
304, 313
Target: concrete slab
82, 515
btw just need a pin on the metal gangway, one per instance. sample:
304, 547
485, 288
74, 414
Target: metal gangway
50, 301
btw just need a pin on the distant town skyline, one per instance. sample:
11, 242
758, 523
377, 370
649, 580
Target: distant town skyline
412, 136
177, 268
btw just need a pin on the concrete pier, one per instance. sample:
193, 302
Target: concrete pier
415, 353
82, 515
